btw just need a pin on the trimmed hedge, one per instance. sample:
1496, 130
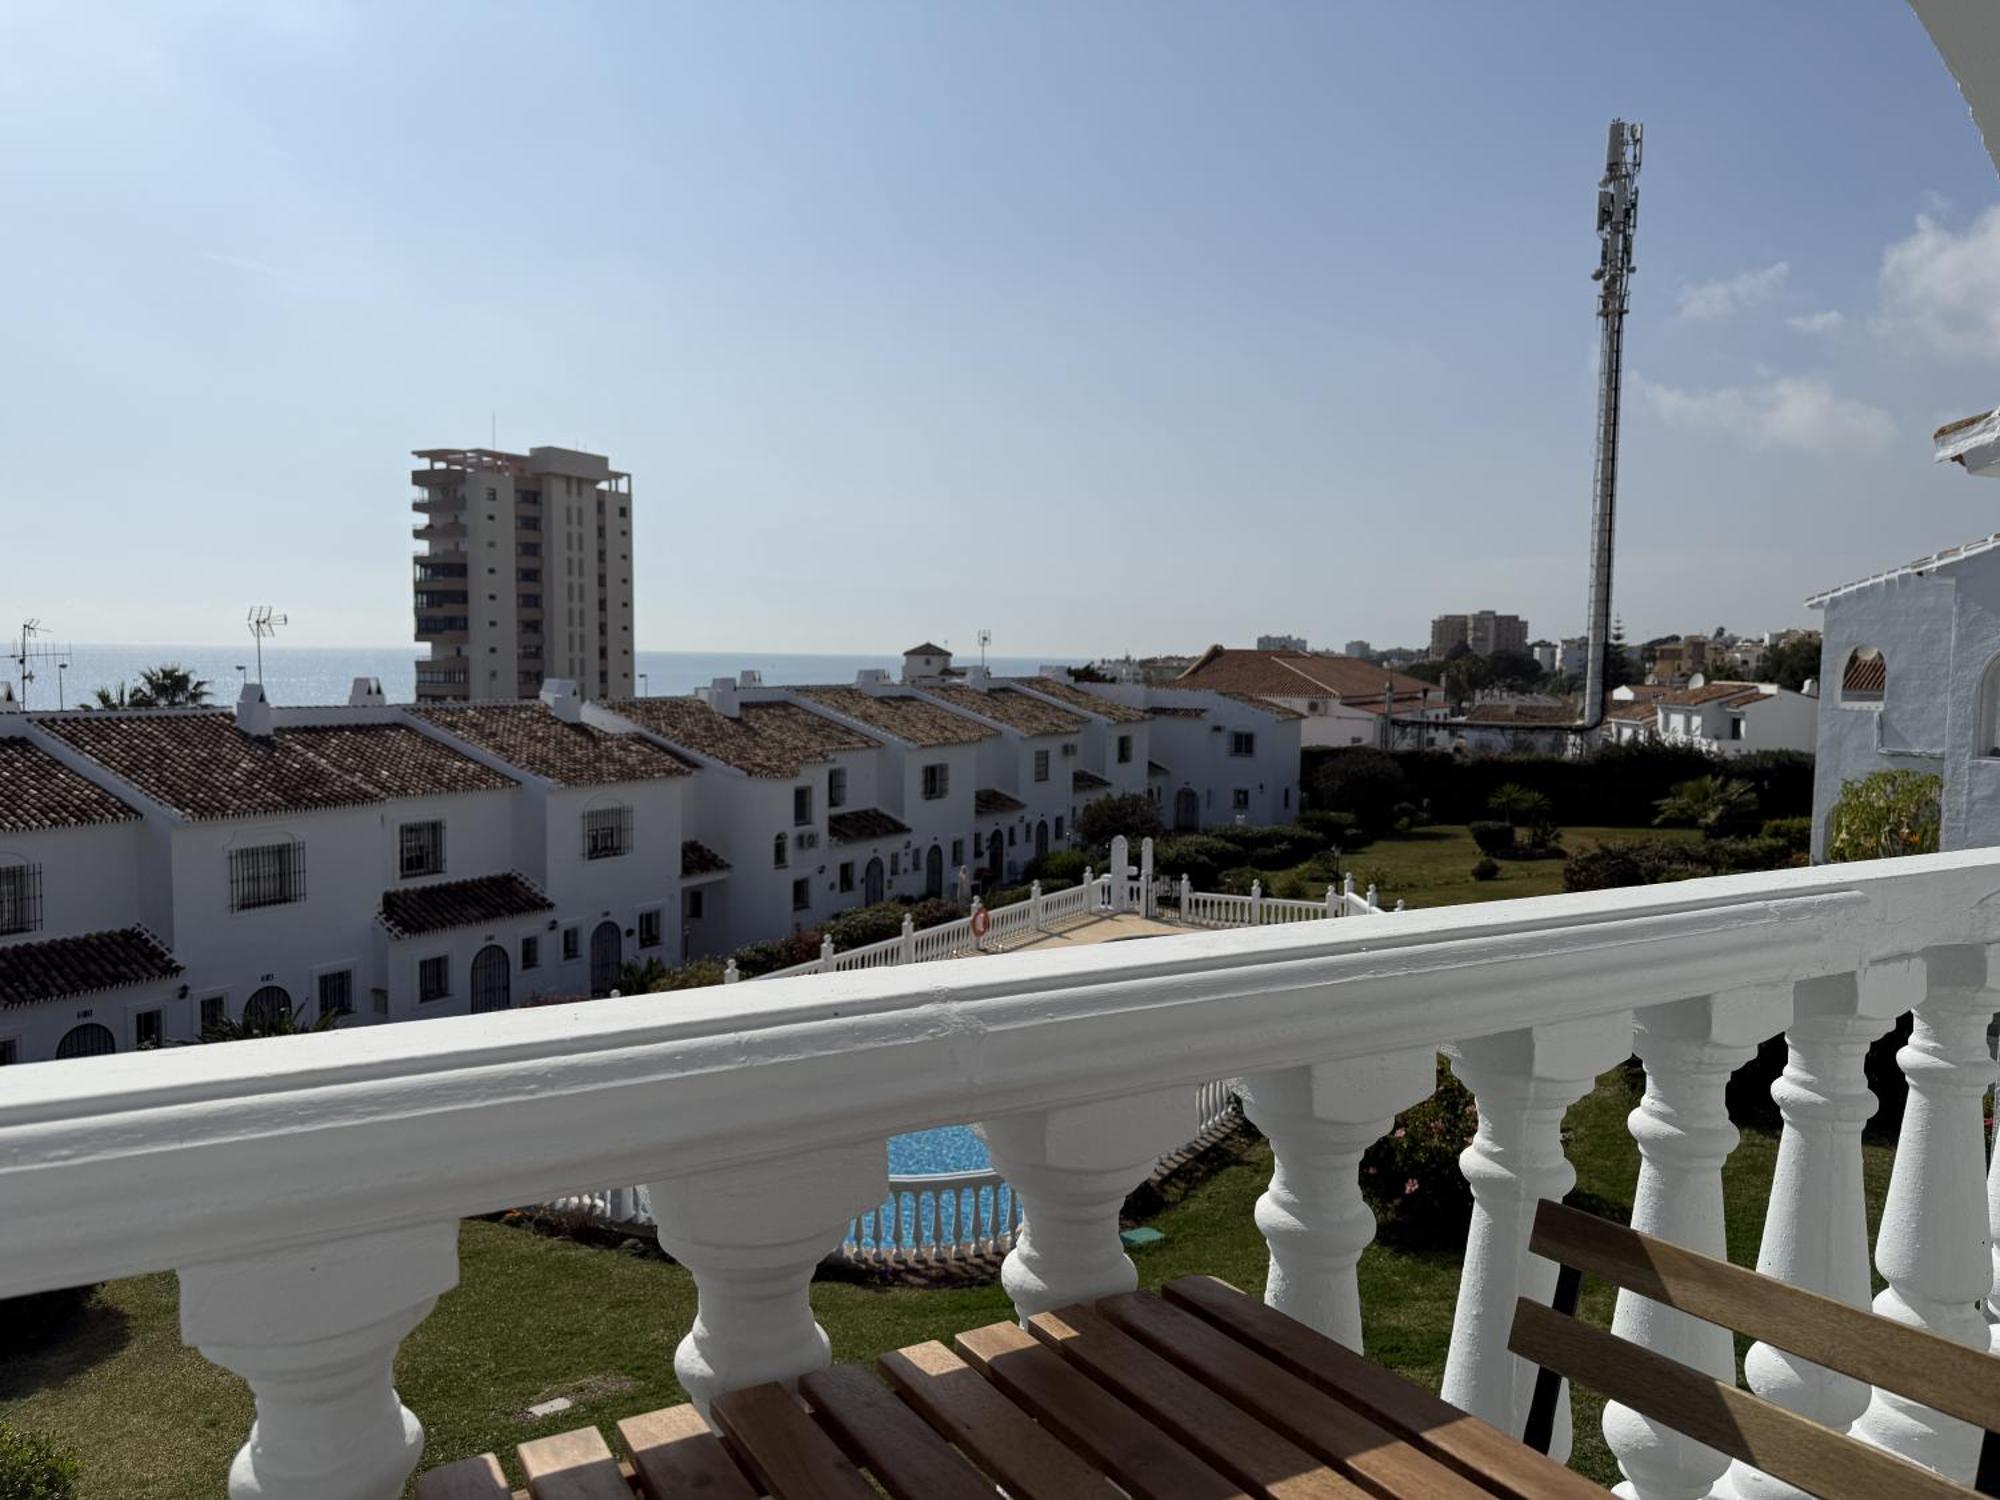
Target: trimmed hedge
1492, 837
35, 1467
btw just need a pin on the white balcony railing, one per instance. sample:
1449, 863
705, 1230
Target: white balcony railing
307, 1189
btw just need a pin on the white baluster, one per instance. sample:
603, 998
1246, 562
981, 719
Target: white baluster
1072, 1169
1524, 1081
1932, 1246
1320, 1119
1816, 1228
907, 953
315, 1331
1690, 1048
751, 1236
1332, 902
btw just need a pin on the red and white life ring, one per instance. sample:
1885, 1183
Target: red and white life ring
981, 921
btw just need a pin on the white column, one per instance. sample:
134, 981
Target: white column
1690, 1048
1816, 1227
1148, 904
1524, 1081
751, 1236
907, 954
315, 1331
1320, 1119
1121, 871
1932, 1245
1035, 904
1072, 1169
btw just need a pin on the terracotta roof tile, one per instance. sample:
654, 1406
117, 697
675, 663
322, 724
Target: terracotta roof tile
203, 767
1708, 693
927, 649
770, 738
1265, 705
1009, 706
1082, 699
1865, 674
1081, 780
1543, 714
863, 824
698, 859
81, 965
39, 791
990, 801
1294, 674
911, 719
530, 736
414, 910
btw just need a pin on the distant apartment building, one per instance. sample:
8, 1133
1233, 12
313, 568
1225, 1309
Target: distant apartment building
526, 574
1360, 650
1676, 662
1547, 654
1282, 643
1481, 632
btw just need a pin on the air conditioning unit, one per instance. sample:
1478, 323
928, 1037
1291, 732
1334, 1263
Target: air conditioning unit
809, 840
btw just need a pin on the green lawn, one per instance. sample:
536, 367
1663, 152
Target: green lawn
1433, 866
535, 1318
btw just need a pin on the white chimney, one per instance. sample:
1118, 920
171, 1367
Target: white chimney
253, 711
872, 680
978, 678
720, 695
559, 694
750, 677
365, 692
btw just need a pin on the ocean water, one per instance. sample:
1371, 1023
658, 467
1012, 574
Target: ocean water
313, 675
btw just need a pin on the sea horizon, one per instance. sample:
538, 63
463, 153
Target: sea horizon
311, 676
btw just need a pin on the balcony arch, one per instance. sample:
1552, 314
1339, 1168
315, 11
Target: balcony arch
88, 1040
1864, 678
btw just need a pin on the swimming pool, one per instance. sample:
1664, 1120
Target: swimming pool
950, 1148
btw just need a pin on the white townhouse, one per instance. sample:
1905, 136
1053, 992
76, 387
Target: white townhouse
1115, 741
1736, 718
767, 770
1027, 775
917, 836
1217, 758
598, 827
1342, 700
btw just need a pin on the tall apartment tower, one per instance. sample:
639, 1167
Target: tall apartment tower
526, 573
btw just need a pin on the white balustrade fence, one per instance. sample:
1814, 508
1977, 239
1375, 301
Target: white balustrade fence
307, 1188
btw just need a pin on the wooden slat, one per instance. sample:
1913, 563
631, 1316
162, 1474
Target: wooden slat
1143, 1460
1912, 1362
1362, 1449
468, 1479
1781, 1443
572, 1466
677, 1455
1029, 1462
1218, 1430
892, 1442
1455, 1438
787, 1452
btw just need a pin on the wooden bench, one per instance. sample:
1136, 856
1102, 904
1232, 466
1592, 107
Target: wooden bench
1911, 1362
1197, 1393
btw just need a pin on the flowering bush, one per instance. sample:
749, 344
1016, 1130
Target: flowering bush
1884, 814
1411, 1178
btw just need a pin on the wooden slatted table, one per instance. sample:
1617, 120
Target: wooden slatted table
1198, 1393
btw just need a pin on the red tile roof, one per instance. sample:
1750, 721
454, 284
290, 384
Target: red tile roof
415, 910
913, 720
1265, 705
1294, 674
1082, 699
863, 824
1009, 706
81, 965
1709, 693
530, 736
769, 738
38, 791
203, 767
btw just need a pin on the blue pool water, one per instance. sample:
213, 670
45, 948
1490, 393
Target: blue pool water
951, 1148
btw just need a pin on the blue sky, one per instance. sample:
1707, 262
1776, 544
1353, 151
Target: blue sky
1105, 327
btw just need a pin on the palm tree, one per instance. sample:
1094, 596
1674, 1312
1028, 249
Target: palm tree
172, 686
121, 699
1519, 805
1717, 805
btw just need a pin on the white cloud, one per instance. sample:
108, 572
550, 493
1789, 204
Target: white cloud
1943, 286
1788, 411
1712, 301
1828, 321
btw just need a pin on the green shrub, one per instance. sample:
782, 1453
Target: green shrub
1492, 837
1624, 862
1487, 869
1135, 816
1323, 870
1335, 829
1060, 868
1411, 1176
934, 911
1268, 846
1201, 857
1729, 856
1884, 814
1720, 806
778, 953
697, 975
859, 926
1237, 881
1794, 833
35, 1467
1366, 783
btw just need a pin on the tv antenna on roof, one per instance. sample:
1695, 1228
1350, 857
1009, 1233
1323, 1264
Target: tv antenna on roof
263, 625
985, 640
29, 654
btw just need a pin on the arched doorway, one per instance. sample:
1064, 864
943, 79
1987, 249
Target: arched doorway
268, 1008
607, 956
872, 891
934, 872
1041, 838
1187, 810
490, 971
87, 1040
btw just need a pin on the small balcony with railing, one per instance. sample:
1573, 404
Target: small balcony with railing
308, 1189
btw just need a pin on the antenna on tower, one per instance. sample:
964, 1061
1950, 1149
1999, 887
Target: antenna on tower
985, 640
1617, 218
263, 625
29, 654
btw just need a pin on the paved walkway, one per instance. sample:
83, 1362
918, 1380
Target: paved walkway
1081, 931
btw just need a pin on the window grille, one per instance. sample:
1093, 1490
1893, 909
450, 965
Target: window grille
937, 781
531, 953
1242, 744
802, 806
212, 1013
336, 993
801, 895
433, 978
149, 1029
1041, 765
421, 849
20, 898
649, 929
607, 832
1124, 749
10, 1051
267, 875
780, 847
836, 787
572, 944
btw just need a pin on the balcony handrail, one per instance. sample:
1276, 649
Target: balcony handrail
148, 1161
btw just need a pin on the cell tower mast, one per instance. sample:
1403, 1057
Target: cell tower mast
1617, 217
